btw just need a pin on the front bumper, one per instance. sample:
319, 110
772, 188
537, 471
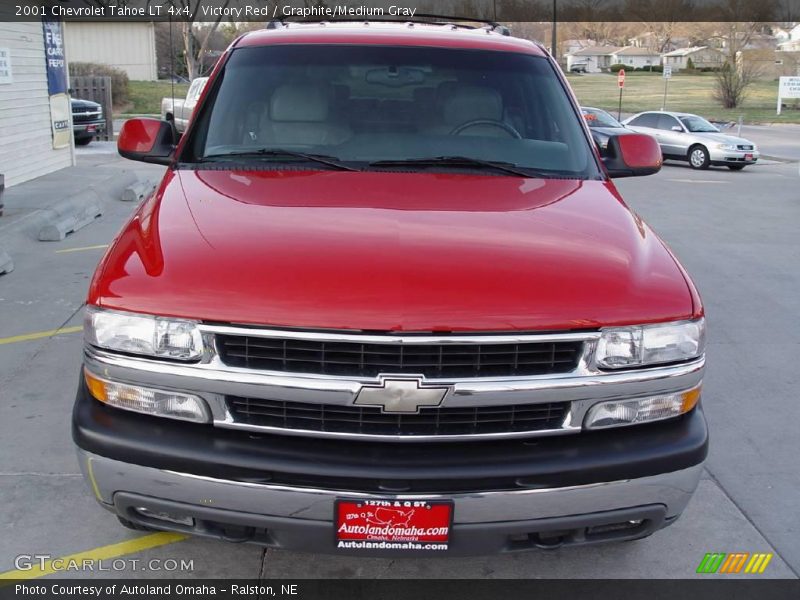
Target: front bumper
88, 129
280, 491
733, 157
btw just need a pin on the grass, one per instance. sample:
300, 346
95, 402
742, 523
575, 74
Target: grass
689, 93
643, 91
144, 97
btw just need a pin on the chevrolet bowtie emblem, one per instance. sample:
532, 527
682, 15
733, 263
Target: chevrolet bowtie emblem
400, 396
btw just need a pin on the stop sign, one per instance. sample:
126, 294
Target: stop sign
621, 78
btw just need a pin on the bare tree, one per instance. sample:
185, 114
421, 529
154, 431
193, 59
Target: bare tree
732, 81
736, 74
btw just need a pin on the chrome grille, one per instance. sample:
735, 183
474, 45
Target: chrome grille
745, 147
368, 420
352, 358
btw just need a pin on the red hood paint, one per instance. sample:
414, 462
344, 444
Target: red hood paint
391, 252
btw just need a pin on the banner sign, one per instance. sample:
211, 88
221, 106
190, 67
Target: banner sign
5, 66
54, 55
57, 83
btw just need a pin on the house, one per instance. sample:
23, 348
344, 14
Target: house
35, 129
701, 56
634, 57
126, 45
769, 64
570, 46
596, 58
654, 41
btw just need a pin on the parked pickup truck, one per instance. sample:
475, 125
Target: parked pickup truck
387, 300
181, 110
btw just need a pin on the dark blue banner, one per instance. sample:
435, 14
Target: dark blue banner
54, 57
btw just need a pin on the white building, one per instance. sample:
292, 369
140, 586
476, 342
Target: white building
635, 58
26, 127
701, 57
595, 59
128, 45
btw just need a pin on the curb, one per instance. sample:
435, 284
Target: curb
71, 214
138, 191
6, 264
74, 206
779, 159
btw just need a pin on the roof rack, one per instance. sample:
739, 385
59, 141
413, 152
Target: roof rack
427, 19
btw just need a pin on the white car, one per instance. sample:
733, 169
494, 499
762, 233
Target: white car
683, 136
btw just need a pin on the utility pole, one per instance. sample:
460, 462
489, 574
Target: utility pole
553, 36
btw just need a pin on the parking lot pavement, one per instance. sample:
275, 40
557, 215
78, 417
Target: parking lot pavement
735, 232
774, 140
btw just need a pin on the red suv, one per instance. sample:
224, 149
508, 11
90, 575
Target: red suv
387, 300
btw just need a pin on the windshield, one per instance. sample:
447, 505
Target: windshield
599, 118
698, 125
372, 107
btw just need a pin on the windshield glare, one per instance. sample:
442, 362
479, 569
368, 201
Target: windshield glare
698, 125
365, 104
599, 118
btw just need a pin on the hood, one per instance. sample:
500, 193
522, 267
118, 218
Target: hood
606, 132
721, 138
77, 102
390, 252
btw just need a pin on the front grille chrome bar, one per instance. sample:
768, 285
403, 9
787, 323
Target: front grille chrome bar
213, 380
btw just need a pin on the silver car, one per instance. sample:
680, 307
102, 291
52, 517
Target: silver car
683, 136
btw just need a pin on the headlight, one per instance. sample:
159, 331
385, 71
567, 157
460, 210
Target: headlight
726, 146
641, 410
641, 345
143, 334
148, 401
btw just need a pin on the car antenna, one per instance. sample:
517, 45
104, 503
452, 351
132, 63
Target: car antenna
172, 79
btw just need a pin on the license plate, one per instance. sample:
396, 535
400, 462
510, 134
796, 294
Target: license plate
413, 525
748, 157
91, 129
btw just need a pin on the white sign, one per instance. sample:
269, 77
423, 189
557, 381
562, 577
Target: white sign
789, 87
667, 71
5, 66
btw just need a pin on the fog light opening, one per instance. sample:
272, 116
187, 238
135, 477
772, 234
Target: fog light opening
163, 516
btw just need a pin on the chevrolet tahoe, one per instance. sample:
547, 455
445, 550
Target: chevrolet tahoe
387, 300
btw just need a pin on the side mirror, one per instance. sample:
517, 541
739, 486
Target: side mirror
147, 140
677, 128
632, 155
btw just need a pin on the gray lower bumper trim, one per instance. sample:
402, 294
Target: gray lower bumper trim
109, 477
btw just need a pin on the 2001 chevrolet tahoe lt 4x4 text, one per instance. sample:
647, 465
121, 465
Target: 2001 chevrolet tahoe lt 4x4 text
387, 300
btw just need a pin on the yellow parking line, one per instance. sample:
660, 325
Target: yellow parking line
98, 247
146, 542
27, 337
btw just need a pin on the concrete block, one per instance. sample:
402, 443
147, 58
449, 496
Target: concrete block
70, 214
6, 264
138, 191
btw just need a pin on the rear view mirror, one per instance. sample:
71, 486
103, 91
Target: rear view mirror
632, 155
677, 128
147, 140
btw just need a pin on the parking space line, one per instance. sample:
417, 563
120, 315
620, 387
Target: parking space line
145, 542
27, 337
98, 247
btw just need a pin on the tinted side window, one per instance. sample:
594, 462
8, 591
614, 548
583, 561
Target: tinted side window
646, 120
667, 122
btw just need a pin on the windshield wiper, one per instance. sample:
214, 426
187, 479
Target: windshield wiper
460, 161
324, 159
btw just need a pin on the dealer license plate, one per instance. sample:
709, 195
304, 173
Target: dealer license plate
748, 157
413, 525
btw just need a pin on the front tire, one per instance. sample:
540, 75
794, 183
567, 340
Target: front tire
698, 157
736, 167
